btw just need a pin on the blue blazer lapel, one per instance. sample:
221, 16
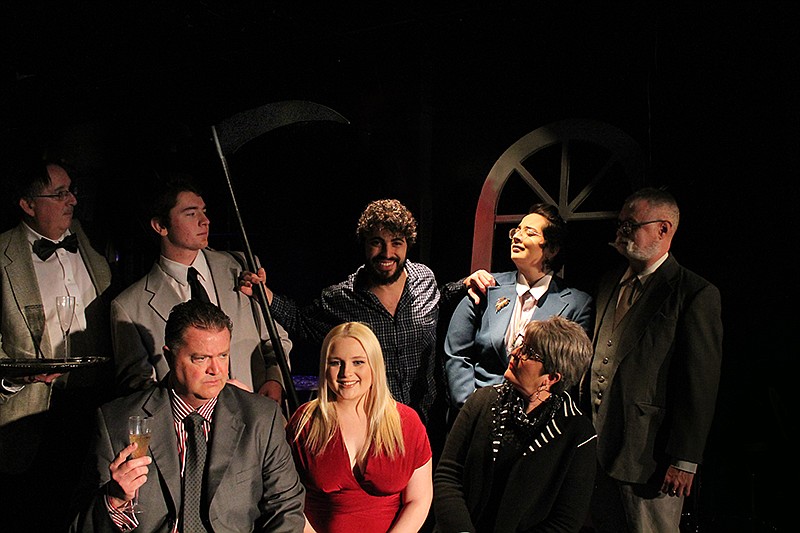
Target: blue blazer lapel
499, 320
552, 301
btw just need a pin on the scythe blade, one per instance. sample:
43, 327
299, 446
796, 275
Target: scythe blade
239, 129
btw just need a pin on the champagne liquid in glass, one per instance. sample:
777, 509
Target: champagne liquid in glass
138, 432
142, 441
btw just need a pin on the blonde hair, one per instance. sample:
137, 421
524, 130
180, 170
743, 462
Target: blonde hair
383, 420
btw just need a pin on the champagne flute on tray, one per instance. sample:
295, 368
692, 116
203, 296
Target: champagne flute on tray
65, 309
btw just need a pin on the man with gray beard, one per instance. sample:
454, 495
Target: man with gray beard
652, 386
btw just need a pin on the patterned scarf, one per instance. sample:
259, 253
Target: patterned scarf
511, 426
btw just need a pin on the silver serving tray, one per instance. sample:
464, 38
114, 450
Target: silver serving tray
32, 367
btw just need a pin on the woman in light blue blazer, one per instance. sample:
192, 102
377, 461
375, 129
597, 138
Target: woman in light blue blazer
481, 335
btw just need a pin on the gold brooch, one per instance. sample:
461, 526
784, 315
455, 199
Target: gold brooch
500, 304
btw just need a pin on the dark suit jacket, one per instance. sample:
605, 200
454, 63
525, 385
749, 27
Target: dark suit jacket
654, 378
548, 489
139, 315
20, 428
252, 484
475, 346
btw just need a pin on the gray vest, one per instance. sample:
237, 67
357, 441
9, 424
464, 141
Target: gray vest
605, 361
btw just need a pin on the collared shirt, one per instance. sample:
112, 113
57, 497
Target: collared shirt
124, 518
408, 338
643, 276
62, 274
177, 276
520, 318
180, 410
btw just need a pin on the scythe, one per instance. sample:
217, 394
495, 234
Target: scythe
230, 135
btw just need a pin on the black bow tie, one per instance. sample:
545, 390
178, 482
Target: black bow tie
44, 248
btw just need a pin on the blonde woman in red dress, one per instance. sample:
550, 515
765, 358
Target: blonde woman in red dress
364, 458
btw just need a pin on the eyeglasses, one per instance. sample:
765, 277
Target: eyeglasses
626, 227
525, 353
60, 195
526, 232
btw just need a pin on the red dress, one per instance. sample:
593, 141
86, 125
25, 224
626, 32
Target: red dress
338, 500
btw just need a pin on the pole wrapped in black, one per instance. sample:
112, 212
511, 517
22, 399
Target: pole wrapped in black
259, 292
228, 137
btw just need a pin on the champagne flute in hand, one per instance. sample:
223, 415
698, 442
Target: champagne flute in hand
138, 432
65, 308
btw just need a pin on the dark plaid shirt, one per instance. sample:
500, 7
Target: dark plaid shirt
408, 339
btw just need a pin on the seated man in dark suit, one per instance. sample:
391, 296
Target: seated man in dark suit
249, 482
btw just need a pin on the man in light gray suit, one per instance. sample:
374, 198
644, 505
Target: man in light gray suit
45, 256
249, 481
138, 314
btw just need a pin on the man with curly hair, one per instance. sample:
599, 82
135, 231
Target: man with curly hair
397, 298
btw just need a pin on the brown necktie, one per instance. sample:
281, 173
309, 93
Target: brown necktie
198, 292
191, 521
628, 296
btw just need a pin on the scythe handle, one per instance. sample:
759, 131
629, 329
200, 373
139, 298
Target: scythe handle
261, 295
230, 135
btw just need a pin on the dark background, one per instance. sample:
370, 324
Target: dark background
435, 92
